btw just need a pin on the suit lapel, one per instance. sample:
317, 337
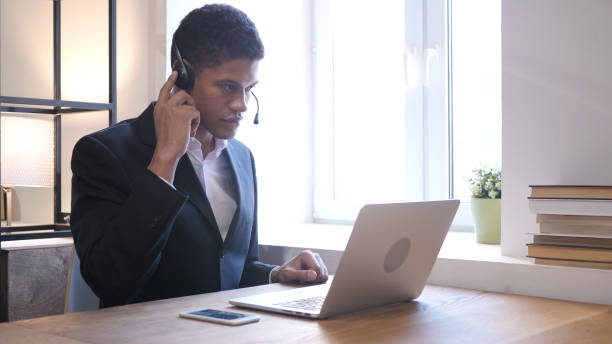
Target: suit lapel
188, 182
241, 187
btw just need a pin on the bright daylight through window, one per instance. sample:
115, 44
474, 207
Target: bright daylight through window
475, 88
408, 101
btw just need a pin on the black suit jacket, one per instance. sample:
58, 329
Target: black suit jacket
139, 239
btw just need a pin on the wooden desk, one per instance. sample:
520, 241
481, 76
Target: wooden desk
440, 315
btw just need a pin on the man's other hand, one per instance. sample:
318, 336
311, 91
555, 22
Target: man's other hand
306, 267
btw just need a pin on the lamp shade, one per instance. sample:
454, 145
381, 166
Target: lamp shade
27, 149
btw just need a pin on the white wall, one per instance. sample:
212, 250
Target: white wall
141, 54
557, 103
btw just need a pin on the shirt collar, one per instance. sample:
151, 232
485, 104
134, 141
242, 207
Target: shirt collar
194, 149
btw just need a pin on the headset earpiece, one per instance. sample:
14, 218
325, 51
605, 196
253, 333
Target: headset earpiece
185, 73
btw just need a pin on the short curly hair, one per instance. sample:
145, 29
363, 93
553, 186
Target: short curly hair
214, 34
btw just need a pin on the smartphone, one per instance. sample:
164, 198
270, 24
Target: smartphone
221, 317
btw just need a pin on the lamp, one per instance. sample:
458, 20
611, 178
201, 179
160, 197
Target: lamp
27, 159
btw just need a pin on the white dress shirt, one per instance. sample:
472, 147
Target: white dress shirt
215, 174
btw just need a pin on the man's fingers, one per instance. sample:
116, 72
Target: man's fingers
323, 275
297, 275
309, 261
306, 267
181, 98
164, 93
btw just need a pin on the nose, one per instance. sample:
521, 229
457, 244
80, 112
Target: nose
239, 102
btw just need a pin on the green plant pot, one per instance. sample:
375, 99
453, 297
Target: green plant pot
486, 213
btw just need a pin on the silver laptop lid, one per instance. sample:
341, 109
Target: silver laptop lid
389, 255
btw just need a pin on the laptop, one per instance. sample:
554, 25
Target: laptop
387, 259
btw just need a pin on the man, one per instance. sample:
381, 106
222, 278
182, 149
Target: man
164, 205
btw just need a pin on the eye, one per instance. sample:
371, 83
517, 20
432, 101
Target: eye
228, 88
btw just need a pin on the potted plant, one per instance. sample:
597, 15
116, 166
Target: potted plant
485, 185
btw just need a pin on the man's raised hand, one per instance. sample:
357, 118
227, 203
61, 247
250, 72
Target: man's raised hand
176, 120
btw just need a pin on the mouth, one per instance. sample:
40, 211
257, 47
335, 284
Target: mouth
232, 120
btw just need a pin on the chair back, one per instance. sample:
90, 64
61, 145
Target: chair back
79, 297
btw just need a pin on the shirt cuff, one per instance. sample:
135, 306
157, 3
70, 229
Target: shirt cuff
167, 182
270, 275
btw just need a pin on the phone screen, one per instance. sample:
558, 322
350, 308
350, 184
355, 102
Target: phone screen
218, 314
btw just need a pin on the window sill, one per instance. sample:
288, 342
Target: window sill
457, 245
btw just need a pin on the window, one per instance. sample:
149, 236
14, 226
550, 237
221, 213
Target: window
396, 116
475, 92
380, 105
360, 109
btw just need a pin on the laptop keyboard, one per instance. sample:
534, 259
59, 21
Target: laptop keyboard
309, 304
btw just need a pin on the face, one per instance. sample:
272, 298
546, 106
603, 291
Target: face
221, 94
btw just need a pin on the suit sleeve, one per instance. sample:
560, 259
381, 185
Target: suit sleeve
255, 272
120, 225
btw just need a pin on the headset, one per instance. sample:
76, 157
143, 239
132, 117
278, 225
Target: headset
186, 78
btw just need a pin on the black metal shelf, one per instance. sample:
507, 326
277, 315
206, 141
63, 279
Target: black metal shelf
27, 228
39, 235
57, 107
42, 231
53, 106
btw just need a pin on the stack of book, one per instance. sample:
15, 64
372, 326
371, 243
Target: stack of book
575, 225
